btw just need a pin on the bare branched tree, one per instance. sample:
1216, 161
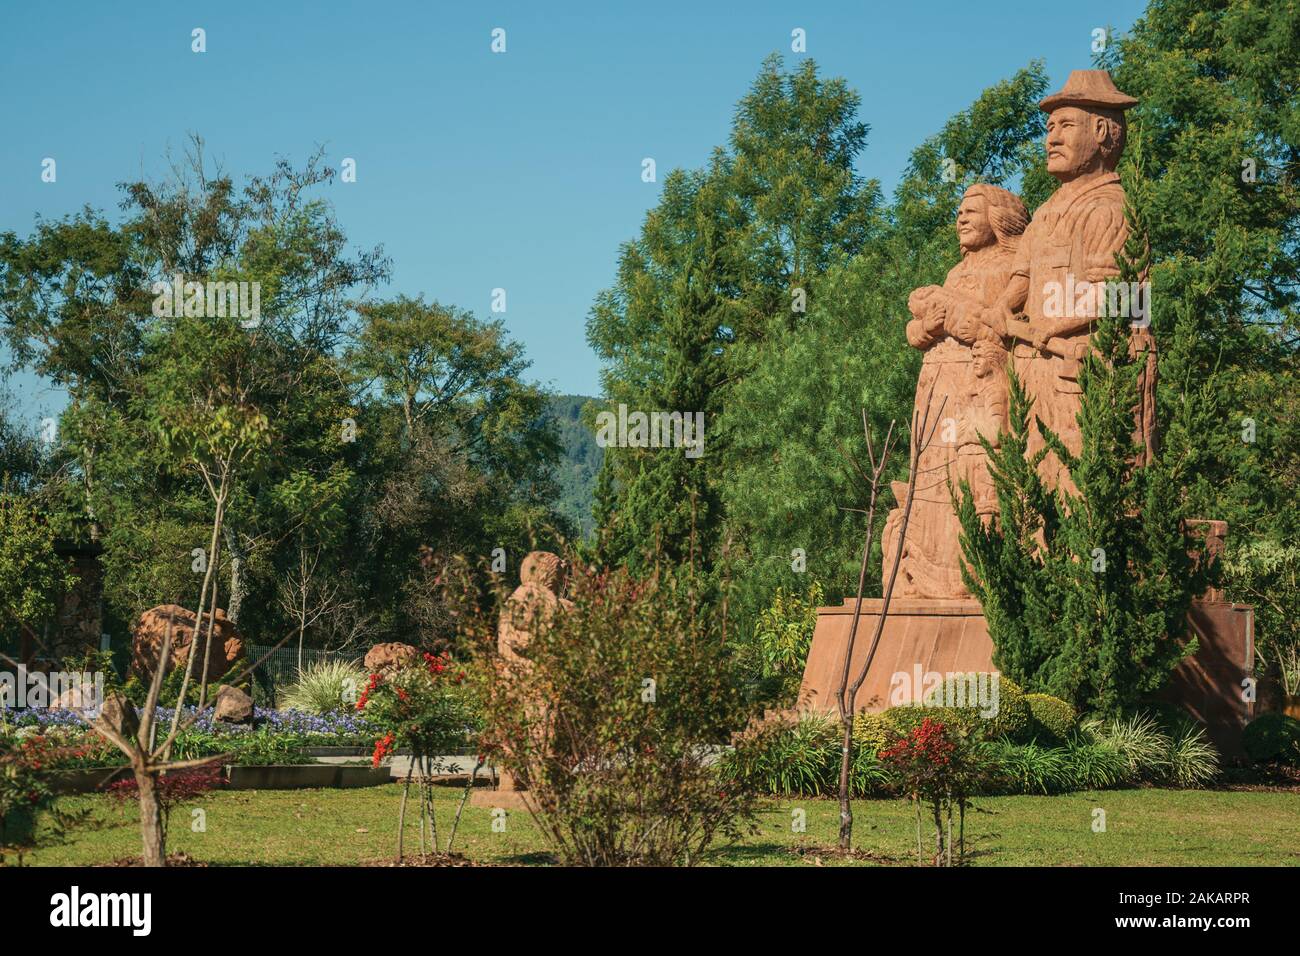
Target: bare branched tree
922, 433
135, 736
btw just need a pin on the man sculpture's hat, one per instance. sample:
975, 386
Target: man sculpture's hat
1088, 88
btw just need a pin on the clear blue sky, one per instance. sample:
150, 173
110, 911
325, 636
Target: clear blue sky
478, 170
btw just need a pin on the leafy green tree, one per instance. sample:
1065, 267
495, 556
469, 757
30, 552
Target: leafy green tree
462, 461
196, 396
459, 455
782, 636
580, 464
32, 575
77, 299
729, 249
1218, 119
794, 416
20, 451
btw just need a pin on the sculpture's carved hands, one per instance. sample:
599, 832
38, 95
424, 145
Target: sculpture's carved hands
963, 324
936, 316
994, 320
1045, 334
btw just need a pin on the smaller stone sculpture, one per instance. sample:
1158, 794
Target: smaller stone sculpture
530, 607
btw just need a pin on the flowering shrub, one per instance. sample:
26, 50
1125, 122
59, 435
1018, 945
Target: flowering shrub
425, 707
342, 727
614, 714
66, 748
26, 796
944, 766
279, 737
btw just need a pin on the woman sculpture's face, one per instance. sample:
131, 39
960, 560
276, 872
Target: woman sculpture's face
973, 228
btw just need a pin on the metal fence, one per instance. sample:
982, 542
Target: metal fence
279, 671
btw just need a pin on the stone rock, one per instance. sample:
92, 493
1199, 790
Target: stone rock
147, 637
118, 715
386, 658
233, 706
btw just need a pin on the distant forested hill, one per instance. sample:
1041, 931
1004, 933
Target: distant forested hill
576, 472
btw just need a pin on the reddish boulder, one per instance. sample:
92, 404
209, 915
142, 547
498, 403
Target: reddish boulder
233, 706
386, 658
227, 647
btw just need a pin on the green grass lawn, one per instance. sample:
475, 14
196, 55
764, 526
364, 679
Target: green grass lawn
324, 827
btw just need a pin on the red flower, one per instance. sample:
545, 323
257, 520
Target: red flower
383, 748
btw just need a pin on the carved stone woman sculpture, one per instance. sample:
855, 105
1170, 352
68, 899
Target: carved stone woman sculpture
532, 606
964, 403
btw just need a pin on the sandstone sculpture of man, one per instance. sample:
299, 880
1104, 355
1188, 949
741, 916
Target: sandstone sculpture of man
990, 221
1071, 240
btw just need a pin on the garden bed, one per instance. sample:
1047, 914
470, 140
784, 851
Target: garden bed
86, 779
305, 776
236, 777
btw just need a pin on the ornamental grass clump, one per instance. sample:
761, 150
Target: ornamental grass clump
325, 687
801, 757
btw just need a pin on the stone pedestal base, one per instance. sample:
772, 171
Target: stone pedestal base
517, 800
952, 637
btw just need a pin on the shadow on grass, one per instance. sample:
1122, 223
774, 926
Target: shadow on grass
540, 858
741, 852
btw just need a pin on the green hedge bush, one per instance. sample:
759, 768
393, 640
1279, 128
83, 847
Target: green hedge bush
1013, 719
1273, 737
872, 733
1052, 720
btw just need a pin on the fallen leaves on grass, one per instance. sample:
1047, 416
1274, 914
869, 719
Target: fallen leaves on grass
173, 859
432, 859
814, 854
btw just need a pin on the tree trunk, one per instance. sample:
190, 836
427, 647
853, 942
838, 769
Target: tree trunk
916, 800
948, 848
961, 830
235, 597
401, 815
428, 796
151, 820
469, 787
938, 833
846, 807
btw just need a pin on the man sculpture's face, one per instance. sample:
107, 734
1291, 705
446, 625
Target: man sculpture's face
973, 228
1074, 138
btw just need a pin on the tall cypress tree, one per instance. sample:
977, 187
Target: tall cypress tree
1086, 596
